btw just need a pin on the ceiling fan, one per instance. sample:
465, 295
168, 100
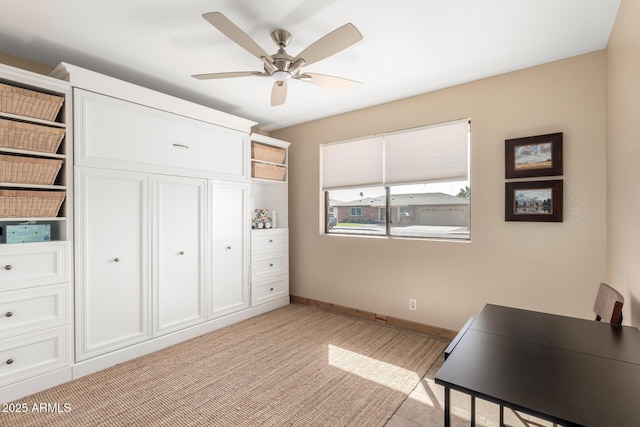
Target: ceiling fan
281, 66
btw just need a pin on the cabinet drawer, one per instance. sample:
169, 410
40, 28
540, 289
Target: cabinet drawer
270, 289
33, 264
268, 265
32, 355
117, 133
32, 308
264, 241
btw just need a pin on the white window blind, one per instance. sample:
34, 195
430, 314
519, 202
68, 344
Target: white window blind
355, 163
428, 154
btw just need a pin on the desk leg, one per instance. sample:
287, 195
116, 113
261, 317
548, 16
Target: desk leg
447, 407
473, 411
501, 416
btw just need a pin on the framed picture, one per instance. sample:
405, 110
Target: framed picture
534, 156
533, 201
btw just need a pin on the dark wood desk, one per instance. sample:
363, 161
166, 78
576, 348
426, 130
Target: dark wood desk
569, 371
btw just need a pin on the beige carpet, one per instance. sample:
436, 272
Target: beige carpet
295, 366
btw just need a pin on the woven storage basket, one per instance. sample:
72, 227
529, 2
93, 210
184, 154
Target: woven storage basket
30, 204
25, 102
265, 171
28, 170
267, 153
28, 136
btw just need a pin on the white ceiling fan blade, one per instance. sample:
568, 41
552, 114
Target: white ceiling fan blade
228, 75
330, 44
278, 93
324, 80
231, 30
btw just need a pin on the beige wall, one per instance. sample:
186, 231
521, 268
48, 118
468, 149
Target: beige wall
550, 267
25, 64
623, 54
554, 267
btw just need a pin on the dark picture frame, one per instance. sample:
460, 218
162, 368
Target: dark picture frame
538, 201
533, 156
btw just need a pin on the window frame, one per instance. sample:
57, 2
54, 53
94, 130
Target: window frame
388, 212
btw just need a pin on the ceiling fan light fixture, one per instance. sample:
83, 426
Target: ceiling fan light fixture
281, 75
282, 66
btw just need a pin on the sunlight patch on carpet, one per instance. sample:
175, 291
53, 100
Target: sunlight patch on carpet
380, 372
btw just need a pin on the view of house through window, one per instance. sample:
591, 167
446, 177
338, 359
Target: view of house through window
422, 190
419, 210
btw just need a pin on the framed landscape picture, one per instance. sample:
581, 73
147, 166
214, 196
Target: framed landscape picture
534, 156
533, 201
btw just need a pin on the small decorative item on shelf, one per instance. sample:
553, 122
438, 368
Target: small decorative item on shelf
261, 219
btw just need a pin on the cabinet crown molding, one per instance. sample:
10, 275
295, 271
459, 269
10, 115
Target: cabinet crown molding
96, 82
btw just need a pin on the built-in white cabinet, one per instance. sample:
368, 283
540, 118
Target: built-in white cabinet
269, 265
113, 256
160, 250
269, 241
36, 306
179, 255
229, 249
163, 197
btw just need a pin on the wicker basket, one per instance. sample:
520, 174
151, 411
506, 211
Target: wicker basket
266, 171
267, 153
29, 103
30, 204
27, 136
28, 170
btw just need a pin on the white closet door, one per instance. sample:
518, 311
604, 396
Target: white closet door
229, 290
180, 205
113, 222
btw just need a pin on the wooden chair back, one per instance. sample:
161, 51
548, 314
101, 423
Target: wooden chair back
608, 305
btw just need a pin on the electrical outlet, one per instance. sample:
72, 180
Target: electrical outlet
413, 304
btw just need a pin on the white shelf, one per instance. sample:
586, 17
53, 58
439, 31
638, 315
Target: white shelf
284, 165
32, 153
9, 185
35, 219
32, 120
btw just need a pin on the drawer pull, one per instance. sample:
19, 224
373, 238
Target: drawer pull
181, 253
180, 145
270, 240
271, 265
8, 267
117, 259
8, 314
270, 289
228, 248
9, 361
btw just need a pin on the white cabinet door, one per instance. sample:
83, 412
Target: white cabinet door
112, 238
229, 227
179, 206
116, 133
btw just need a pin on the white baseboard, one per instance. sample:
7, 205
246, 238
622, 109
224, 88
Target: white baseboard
29, 386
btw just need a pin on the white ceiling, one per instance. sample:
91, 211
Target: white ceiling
409, 46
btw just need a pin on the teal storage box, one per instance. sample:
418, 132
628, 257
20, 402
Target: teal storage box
28, 233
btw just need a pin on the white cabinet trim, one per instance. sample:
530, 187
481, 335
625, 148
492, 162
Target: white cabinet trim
99, 83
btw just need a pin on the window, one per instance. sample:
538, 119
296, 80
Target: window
412, 183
